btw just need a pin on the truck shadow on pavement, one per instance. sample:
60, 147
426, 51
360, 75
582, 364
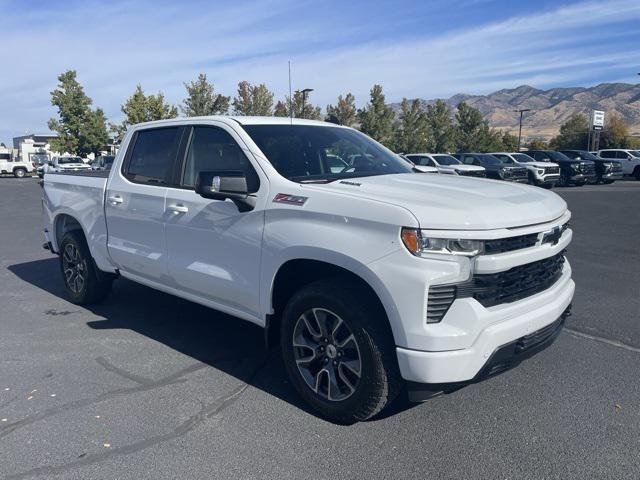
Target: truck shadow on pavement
226, 343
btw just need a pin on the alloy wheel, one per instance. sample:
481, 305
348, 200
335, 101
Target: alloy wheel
74, 267
327, 354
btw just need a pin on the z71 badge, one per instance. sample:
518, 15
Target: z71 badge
289, 199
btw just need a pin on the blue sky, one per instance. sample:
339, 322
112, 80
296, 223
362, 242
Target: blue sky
413, 48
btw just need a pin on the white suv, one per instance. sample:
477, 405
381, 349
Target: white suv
630, 160
541, 174
446, 164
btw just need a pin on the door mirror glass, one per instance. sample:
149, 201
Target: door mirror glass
220, 185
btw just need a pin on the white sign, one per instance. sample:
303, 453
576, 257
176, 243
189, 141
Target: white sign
598, 119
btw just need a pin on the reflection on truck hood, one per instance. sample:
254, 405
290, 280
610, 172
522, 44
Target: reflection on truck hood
458, 203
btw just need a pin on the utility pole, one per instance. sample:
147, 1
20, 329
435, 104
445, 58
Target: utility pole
304, 98
521, 112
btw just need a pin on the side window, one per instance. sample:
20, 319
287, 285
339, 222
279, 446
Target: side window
153, 155
213, 149
609, 154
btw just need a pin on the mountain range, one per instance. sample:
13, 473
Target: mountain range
550, 108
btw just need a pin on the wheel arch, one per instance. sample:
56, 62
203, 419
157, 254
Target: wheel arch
295, 273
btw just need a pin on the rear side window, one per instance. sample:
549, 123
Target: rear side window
609, 154
153, 155
213, 149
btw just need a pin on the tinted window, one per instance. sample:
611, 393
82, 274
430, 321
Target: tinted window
503, 158
522, 158
608, 154
153, 155
5, 156
422, 160
557, 156
446, 160
541, 156
299, 152
213, 149
489, 159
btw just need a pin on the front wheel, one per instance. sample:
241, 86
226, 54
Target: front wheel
19, 172
84, 283
338, 351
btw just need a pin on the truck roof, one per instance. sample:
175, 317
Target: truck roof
242, 120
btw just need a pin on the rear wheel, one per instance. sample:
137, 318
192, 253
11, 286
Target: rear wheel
84, 283
19, 173
636, 173
338, 351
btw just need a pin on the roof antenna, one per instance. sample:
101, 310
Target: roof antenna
290, 97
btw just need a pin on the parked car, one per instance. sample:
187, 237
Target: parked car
418, 168
65, 163
607, 170
102, 162
572, 172
16, 167
630, 160
367, 278
541, 174
494, 167
446, 164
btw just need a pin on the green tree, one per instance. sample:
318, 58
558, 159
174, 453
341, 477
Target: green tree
80, 129
281, 109
573, 133
615, 133
472, 131
440, 125
144, 108
203, 100
537, 144
411, 132
377, 118
253, 100
344, 112
509, 142
309, 111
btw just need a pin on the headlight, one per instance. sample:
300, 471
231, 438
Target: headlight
575, 166
418, 244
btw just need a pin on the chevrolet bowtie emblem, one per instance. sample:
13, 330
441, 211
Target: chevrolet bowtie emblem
552, 236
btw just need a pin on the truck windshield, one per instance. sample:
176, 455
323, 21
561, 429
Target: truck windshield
307, 153
446, 160
522, 158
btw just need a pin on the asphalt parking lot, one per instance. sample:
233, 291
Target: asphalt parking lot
148, 386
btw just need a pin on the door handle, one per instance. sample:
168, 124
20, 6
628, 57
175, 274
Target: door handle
178, 209
115, 199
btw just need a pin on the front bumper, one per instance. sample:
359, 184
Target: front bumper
504, 324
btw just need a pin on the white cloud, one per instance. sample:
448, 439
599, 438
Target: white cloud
113, 47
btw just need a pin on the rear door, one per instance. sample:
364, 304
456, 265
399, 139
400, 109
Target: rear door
214, 249
135, 203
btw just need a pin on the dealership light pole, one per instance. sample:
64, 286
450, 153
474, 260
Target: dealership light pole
304, 98
521, 112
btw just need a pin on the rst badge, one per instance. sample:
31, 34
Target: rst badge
289, 199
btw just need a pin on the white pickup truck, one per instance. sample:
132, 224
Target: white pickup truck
370, 278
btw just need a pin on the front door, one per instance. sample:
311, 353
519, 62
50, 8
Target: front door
135, 203
213, 249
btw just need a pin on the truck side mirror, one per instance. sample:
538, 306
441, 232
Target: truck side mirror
220, 185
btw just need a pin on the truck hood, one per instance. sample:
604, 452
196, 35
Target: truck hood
446, 202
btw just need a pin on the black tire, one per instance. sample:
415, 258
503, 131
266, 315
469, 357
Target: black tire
636, 173
564, 179
532, 179
19, 173
379, 381
84, 283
